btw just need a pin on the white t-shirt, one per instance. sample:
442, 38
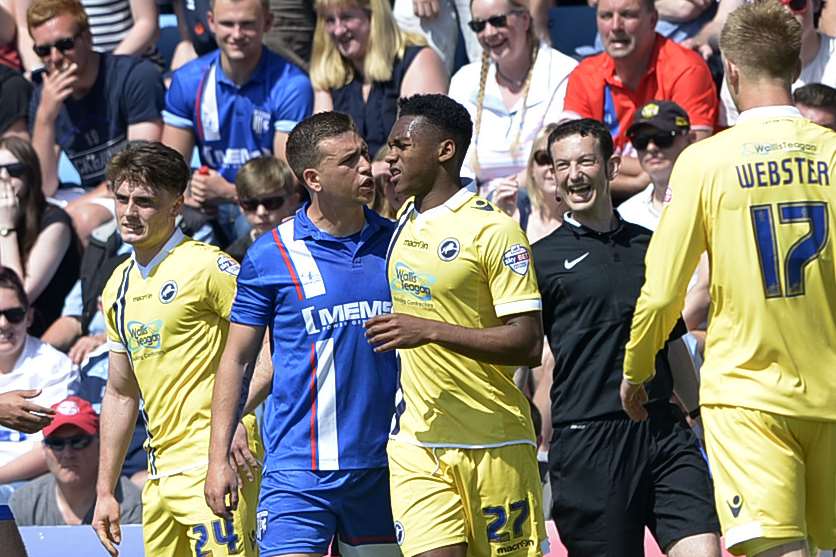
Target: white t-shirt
39, 366
500, 125
821, 69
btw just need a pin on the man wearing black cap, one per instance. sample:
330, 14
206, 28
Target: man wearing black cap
660, 132
611, 477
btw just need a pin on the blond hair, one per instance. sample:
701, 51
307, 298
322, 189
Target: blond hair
264, 176
540, 143
41, 11
764, 40
483, 81
329, 70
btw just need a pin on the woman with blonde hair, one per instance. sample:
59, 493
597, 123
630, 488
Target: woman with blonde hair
516, 88
362, 63
540, 208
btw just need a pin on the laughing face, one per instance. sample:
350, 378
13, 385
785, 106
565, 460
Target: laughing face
582, 174
506, 39
349, 27
12, 327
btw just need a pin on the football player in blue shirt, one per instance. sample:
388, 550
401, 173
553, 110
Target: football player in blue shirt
314, 280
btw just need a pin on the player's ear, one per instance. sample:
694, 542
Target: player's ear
446, 150
613, 165
311, 177
732, 75
177, 207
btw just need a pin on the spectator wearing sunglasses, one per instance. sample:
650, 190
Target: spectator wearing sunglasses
66, 496
637, 66
26, 363
87, 104
267, 194
516, 88
818, 56
362, 63
37, 239
660, 132
540, 207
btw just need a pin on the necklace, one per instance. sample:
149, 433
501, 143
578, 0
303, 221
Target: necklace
515, 83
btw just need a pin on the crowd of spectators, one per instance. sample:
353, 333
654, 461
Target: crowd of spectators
77, 83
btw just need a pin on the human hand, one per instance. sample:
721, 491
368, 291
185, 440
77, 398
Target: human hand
426, 9
221, 480
84, 346
396, 330
16, 412
505, 192
242, 457
106, 523
208, 186
633, 398
57, 87
8, 205
702, 48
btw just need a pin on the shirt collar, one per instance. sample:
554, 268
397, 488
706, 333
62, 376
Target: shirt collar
764, 112
581, 230
144, 270
257, 75
304, 228
453, 203
609, 64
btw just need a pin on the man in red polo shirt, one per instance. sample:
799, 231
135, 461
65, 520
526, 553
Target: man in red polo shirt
638, 65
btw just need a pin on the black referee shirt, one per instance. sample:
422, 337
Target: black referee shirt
590, 282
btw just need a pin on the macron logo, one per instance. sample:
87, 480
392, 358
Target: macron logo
568, 265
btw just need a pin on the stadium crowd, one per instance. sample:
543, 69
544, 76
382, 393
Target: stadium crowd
362, 177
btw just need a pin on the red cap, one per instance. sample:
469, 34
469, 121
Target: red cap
74, 411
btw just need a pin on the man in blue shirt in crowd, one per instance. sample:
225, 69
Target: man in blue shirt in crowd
314, 281
236, 103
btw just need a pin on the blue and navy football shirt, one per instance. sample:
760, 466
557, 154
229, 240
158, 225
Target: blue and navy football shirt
333, 397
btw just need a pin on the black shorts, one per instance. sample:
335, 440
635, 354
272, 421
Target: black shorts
611, 478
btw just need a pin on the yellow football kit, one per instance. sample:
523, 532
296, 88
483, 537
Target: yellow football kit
759, 198
170, 319
466, 263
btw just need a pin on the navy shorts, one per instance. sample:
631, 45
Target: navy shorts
301, 511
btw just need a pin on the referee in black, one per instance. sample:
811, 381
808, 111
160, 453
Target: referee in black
610, 476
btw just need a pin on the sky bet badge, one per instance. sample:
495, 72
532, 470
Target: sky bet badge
517, 258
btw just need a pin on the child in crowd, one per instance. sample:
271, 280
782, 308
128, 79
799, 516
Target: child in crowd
267, 193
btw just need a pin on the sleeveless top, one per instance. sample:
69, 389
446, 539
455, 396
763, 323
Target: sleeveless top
375, 117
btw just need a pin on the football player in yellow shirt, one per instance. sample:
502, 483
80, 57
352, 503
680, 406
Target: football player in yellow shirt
759, 198
167, 309
466, 312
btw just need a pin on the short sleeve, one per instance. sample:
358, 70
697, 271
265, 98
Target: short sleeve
180, 101
144, 93
506, 259
577, 98
114, 339
293, 101
220, 289
62, 374
254, 301
695, 92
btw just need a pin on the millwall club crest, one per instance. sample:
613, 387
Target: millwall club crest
448, 249
168, 291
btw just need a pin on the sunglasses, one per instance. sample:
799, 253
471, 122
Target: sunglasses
15, 169
269, 203
795, 6
13, 315
76, 443
542, 158
662, 140
63, 45
478, 25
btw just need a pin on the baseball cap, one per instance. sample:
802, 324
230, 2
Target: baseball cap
74, 411
665, 116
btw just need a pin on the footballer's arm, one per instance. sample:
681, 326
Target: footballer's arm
242, 346
120, 405
517, 342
